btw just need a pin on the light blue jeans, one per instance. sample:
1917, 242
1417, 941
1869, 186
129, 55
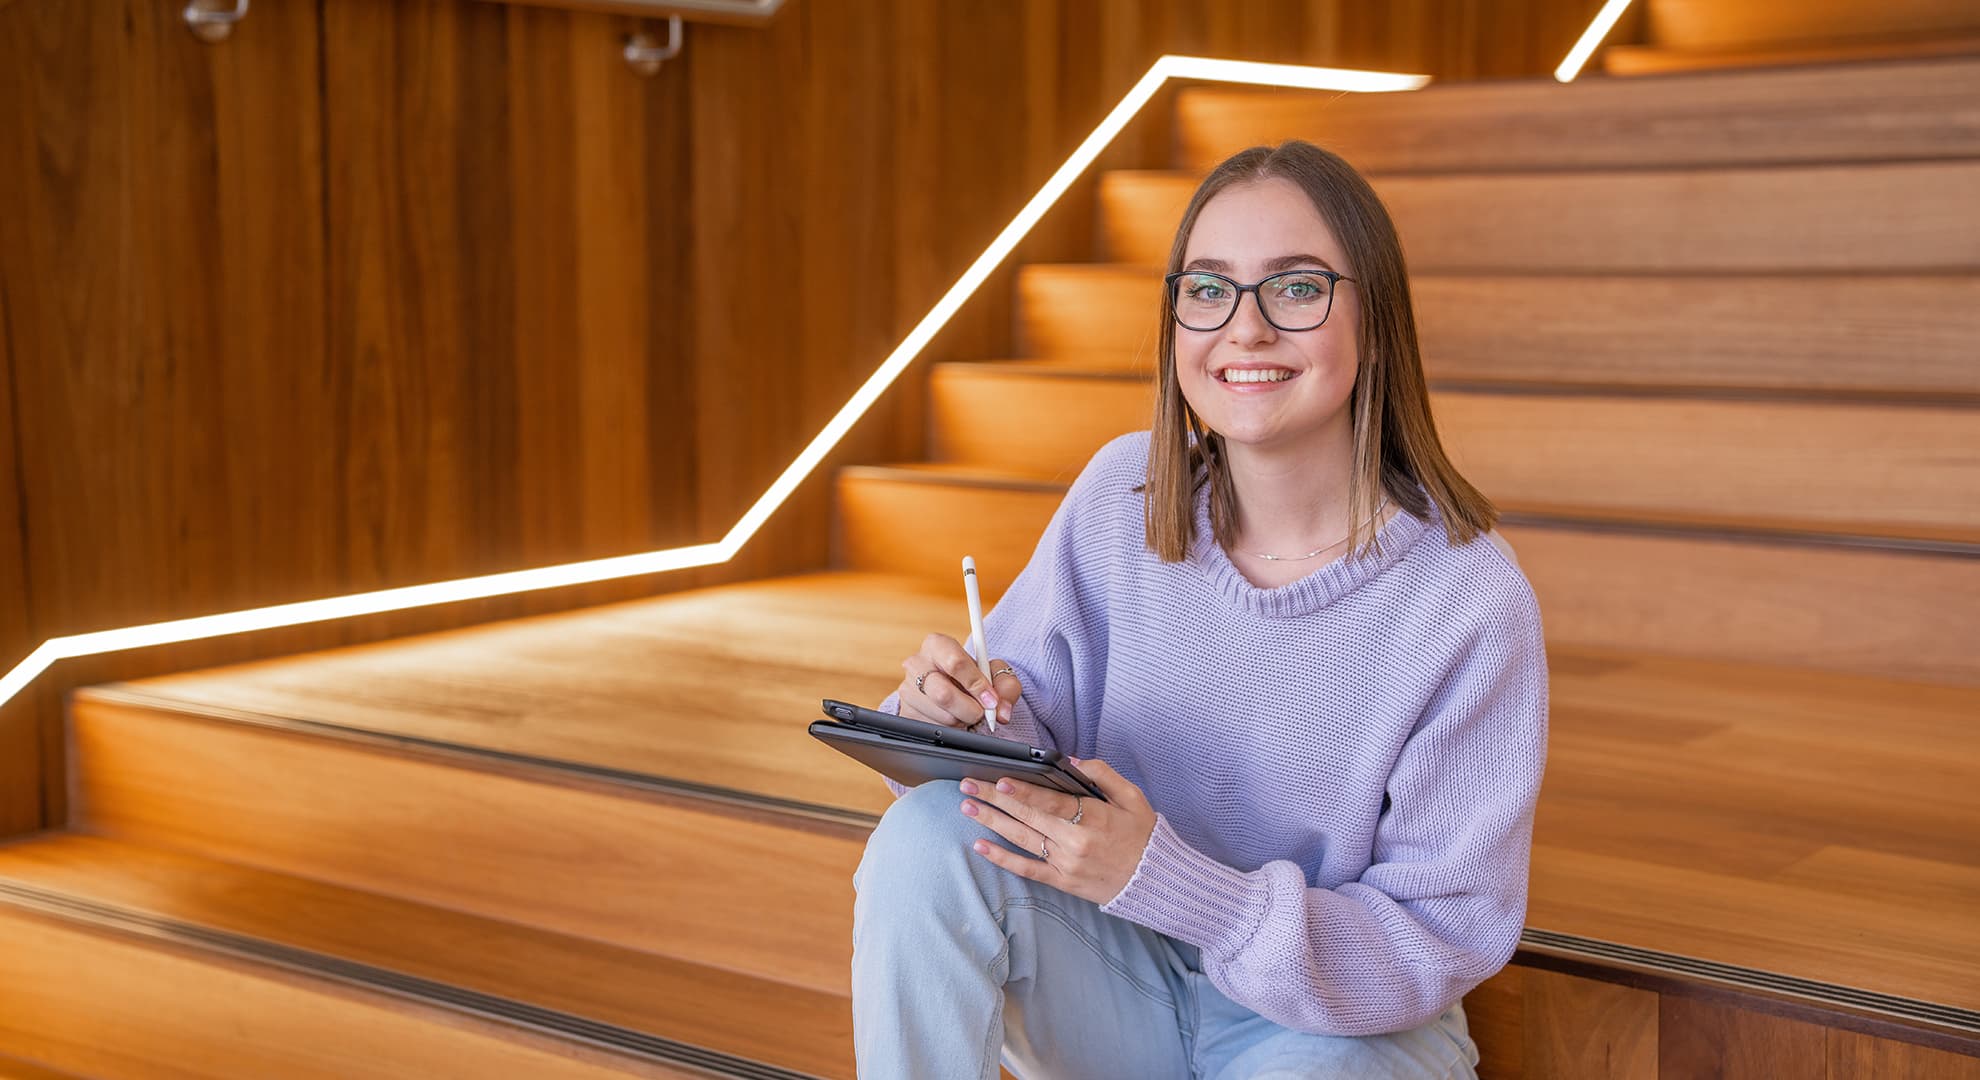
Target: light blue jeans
958, 964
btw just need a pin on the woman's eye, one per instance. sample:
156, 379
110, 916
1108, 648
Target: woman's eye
1300, 290
1206, 290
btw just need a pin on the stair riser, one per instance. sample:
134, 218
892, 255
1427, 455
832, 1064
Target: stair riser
1844, 218
1878, 613
1888, 334
107, 1006
1877, 468
700, 885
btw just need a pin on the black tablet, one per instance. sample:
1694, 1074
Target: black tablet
912, 752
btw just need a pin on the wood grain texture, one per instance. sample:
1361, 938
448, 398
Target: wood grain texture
1842, 218
590, 863
1825, 787
1708, 24
1582, 1027
390, 293
104, 1005
21, 721
656, 995
16, 1069
1874, 335
1862, 1057
1712, 1041
1869, 112
1891, 470
1899, 615
1903, 616
1650, 60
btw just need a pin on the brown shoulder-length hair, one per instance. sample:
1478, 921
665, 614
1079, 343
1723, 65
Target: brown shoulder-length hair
1395, 442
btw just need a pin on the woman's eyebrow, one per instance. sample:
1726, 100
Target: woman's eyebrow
1283, 262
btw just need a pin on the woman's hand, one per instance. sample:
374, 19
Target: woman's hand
945, 686
1093, 859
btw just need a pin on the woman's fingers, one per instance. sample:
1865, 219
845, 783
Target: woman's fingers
930, 695
1040, 809
948, 654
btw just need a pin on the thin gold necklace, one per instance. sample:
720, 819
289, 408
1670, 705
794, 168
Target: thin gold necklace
1302, 558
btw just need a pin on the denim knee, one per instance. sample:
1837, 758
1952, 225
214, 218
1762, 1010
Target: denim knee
922, 836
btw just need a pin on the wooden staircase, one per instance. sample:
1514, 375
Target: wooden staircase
1710, 342
1692, 35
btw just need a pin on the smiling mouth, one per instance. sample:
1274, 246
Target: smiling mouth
1254, 375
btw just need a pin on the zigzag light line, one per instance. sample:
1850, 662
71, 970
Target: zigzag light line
1194, 68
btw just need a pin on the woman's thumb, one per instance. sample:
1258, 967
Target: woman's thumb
1111, 784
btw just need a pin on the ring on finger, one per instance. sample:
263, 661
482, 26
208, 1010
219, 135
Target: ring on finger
1044, 849
917, 682
1079, 810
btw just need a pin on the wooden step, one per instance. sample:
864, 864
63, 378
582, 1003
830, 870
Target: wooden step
1601, 581
589, 854
1740, 814
112, 1005
1912, 216
17, 1069
1871, 335
1916, 110
1723, 24
671, 1009
1862, 469
660, 688
1832, 56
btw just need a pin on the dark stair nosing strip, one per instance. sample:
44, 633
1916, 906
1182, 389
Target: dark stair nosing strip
1752, 979
430, 992
1738, 534
129, 694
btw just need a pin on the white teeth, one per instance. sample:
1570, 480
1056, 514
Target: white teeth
1246, 375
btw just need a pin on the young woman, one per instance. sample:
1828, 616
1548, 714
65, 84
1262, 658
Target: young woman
1282, 636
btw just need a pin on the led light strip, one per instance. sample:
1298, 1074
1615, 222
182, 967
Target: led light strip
653, 562
1605, 20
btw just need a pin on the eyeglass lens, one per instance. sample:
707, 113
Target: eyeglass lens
1296, 300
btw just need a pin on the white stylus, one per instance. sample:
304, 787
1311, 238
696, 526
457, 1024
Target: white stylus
976, 631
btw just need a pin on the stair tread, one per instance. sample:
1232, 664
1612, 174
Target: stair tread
600, 686
1911, 108
656, 995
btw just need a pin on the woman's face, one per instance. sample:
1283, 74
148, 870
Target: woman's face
1246, 232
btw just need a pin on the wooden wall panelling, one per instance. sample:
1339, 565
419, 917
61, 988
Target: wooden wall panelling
420, 284
168, 329
503, 331
21, 736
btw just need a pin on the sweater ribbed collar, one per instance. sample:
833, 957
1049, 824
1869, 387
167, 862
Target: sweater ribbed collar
1314, 591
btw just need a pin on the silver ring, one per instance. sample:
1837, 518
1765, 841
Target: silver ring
1044, 848
917, 683
1079, 810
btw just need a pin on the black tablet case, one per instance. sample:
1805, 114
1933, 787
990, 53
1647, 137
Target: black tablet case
912, 752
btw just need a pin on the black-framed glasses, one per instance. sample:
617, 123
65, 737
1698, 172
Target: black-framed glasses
1292, 301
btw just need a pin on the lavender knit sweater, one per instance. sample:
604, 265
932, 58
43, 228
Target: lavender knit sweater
1345, 767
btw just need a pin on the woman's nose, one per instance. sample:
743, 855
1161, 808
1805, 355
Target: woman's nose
1248, 326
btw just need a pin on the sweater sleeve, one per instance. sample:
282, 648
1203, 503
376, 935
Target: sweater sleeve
1441, 906
1036, 625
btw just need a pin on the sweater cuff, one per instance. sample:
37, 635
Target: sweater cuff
1179, 891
